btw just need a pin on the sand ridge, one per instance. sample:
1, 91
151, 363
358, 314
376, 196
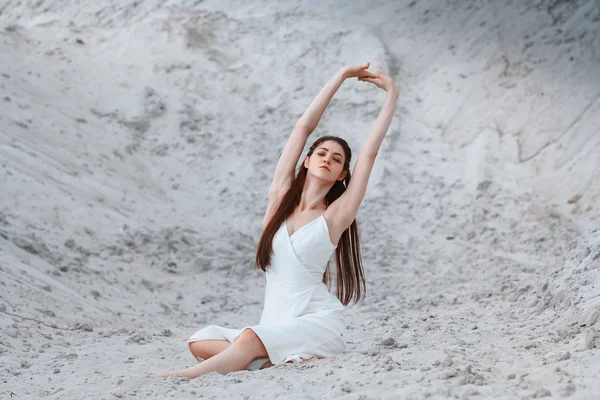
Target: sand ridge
137, 144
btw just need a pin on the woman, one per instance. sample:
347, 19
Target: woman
306, 215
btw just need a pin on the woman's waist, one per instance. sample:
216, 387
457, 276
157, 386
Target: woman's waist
328, 303
304, 281
316, 290
301, 300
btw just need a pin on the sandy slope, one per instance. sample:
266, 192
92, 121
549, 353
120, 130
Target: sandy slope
137, 143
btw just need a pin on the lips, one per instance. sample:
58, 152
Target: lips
324, 167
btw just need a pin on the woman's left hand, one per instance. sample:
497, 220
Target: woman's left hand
357, 71
383, 82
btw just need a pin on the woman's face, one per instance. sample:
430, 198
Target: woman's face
327, 161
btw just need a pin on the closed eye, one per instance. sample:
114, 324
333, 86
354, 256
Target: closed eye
335, 159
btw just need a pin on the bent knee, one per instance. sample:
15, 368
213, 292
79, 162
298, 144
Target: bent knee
207, 348
252, 342
247, 337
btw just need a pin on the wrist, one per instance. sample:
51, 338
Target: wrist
393, 93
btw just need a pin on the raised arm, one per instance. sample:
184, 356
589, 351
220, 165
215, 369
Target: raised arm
311, 117
343, 211
285, 169
286, 165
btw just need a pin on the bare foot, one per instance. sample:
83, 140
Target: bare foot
163, 374
180, 372
313, 359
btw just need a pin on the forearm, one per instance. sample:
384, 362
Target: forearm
380, 128
311, 117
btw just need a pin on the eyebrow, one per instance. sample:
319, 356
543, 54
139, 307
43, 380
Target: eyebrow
324, 148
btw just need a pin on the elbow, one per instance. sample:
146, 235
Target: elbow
303, 128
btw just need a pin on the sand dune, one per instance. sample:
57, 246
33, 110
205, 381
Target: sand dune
137, 144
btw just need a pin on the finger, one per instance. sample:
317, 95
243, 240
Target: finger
367, 73
374, 82
369, 79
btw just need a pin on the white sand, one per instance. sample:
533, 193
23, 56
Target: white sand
135, 165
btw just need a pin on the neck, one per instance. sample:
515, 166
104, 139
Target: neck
313, 194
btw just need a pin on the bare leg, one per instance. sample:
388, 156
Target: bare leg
246, 348
205, 349
312, 359
267, 365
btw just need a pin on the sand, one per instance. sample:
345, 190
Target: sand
137, 145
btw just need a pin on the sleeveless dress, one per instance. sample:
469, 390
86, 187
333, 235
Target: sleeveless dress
300, 317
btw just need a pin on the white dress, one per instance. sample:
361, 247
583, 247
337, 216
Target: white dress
300, 318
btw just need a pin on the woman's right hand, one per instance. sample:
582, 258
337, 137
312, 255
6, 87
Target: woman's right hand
357, 71
383, 82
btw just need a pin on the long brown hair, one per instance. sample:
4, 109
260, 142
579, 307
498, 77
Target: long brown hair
350, 275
